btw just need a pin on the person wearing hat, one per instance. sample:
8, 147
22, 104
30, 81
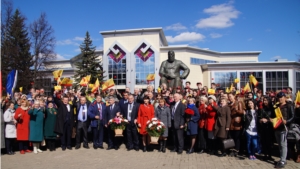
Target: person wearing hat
287, 111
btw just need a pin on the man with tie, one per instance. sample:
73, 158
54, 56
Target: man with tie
124, 100
82, 122
96, 113
111, 112
130, 112
177, 123
64, 121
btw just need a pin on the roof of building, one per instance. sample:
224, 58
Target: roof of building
220, 54
141, 30
252, 65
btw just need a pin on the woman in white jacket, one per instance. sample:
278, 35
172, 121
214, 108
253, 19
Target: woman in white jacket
10, 128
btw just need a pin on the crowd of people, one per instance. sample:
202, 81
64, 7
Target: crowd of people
196, 121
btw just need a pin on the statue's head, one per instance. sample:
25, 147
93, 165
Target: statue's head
171, 56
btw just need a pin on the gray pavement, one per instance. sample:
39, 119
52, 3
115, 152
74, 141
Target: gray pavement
112, 159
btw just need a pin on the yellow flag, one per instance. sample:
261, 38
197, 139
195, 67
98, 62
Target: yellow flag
298, 98
58, 81
158, 90
96, 86
57, 88
231, 87
247, 88
66, 82
57, 74
227, 90
237, 80
91, 86
88, 78
83, 82
21, 89
253, 80
211, 91
278, 113
107, 84
150, 77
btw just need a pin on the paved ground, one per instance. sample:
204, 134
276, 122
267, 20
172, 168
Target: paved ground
112, 159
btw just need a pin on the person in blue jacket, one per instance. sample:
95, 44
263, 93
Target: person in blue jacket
192, 117
96, 113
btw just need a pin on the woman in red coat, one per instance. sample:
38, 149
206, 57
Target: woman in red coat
23, 118
146, 113
210, 123
201, 124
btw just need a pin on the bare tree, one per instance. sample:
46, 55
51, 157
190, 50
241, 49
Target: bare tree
43, 43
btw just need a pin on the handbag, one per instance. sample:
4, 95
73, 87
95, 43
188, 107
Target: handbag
228, 143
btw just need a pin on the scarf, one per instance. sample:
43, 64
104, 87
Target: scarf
190, 106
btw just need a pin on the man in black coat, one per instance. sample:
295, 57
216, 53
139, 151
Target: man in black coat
111, 112
64, 121
130, 112
82, 122
177, 116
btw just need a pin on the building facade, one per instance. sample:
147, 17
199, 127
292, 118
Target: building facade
129, 56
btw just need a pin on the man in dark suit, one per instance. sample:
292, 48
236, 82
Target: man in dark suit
111, 112
123, 100
82, 121
64, 121
177, 116
130, 112
97, 114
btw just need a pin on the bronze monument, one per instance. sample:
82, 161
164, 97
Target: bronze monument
170, 72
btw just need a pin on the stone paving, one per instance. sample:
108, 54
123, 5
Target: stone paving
112, 159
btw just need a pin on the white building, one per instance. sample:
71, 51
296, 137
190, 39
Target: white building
130, 55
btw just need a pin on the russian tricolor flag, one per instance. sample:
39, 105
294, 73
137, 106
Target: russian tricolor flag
12, 79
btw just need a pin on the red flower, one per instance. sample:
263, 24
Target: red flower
189, 111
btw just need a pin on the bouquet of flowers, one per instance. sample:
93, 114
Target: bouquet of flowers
117, 123
155, 127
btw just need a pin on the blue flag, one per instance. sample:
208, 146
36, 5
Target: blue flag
12, 79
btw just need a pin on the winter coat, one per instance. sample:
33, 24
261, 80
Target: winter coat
211, 117
223, 120
36, 125
10, 128
164, 115
145, 113
49, 123
22, 123
203, 116
237, 114
192, 124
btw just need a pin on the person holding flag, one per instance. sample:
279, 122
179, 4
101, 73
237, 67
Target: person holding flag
286, 109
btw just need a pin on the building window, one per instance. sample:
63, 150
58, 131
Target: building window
144, 65
277, 80
196, 61
117, 66
224, 79
297, 82
244, 78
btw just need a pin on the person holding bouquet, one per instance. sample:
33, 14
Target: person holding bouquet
146, 113
112, 111
22, 117
162, 112
192, 117
36, 127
